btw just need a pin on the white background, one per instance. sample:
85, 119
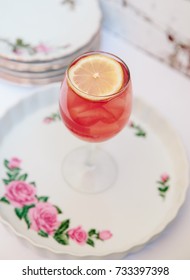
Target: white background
99, 269
169, 92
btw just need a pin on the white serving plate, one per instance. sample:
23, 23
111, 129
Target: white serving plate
132, 210
46, 30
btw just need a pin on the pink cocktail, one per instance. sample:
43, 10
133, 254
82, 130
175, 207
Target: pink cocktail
95, 103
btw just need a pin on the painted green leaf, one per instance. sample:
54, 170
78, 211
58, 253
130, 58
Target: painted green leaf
91, 232
163, 189
6, 181
43, 198
27, 220
33, 183
16, 169
63, 227
62, 239
13, 176
141, 133
6, 164
19, 42
4, 199
138, 130
90, 242
58, 117
160, 182
55, 116
9, 175
26, 209
43, 233
22, 177
23, 212
59, 211
19, 212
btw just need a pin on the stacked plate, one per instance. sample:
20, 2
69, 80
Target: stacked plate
38, 39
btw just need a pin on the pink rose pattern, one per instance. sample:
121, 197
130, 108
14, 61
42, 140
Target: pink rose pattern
105, 235
163, 185
164, 177
42, 48
48, 120
78, 234
17, 51
52, 118
44, 216
20, 47
14, 163
20, 193
39, 214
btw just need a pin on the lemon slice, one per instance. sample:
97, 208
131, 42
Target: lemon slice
96, 77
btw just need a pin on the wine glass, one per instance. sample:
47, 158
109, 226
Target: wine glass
95, 104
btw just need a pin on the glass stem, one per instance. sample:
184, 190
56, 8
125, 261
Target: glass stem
90, 161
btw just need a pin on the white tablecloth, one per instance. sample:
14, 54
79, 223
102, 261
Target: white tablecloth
169, 92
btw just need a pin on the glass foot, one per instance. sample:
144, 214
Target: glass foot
89, 170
